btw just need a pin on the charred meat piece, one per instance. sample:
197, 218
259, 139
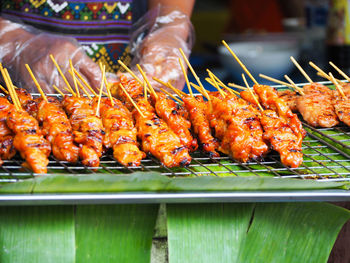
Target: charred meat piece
158, 139
167, 109
197, 109
342, 105
7, 150
316, 106
27, 102
238, 127
131, 85
120, 132
290, 97
57, 130
29, 141
282, 138
87, 129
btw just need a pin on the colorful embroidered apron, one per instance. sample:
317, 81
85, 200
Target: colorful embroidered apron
101, 27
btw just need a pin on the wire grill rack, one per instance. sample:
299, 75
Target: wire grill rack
326, 157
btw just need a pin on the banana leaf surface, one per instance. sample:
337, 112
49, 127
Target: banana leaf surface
149, 181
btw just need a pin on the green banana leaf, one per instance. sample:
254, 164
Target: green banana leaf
67, 234
278, 232
155, 182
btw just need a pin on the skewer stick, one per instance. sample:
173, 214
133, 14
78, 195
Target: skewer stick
340, 71
168, 85
220, 83
194, 74
171, 95
4, 90
216, 85
81, 86
130, 71
186, 77
62, 75
275, 80
85, 82
301, 69
100, 93
299, 90
224, 86
10, 85
317, 68
60, 92
3, 73
108, 94
337, 86
36, 83
74, 79
251, 92
196, 87
147, 82
233, 85
240, 62
131, 100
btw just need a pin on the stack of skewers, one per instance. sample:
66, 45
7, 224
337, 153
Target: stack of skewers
144, 121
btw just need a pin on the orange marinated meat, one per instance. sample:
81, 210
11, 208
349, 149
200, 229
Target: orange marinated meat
57, 129
120, 132
7, 150
316, 106
158, 139
167, 109
342, 105
238, 127
87, 129
197, 109
29, 141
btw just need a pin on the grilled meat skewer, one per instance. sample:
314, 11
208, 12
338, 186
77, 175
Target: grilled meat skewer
120, 132
238, 127
342, 105
158, 139
57, 129
197, 109
29, 141
87, 129
169, 111
7, 150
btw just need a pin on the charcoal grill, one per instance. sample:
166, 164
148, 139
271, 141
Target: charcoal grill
326, 158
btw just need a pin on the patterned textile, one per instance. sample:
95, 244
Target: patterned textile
101, 27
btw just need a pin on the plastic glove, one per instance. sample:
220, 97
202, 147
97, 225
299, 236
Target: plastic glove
21, 44
155, 45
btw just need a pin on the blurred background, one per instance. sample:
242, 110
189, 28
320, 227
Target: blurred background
264, 34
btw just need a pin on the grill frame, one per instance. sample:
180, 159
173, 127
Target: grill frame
327, 162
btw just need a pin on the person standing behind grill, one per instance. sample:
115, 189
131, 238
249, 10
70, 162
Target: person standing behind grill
89, 32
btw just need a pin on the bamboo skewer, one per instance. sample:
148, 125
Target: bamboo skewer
81, 85
251, 92
3, 73
216, 85
85, 83
233, 85
340, 71
194, 74
186, 77
275, 80
4, 90
171, 95
130, 71
337, 86
36, 83
299, 90
301, 69
224, 86
100, 93
60, 92
240, 62
74, 79
200, 91
131, 100
318, 69
147, 82
61, 73
12, 88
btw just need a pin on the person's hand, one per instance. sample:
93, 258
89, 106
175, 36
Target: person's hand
158, 54
34, 49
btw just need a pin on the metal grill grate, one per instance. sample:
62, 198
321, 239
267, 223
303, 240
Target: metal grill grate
326, 157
